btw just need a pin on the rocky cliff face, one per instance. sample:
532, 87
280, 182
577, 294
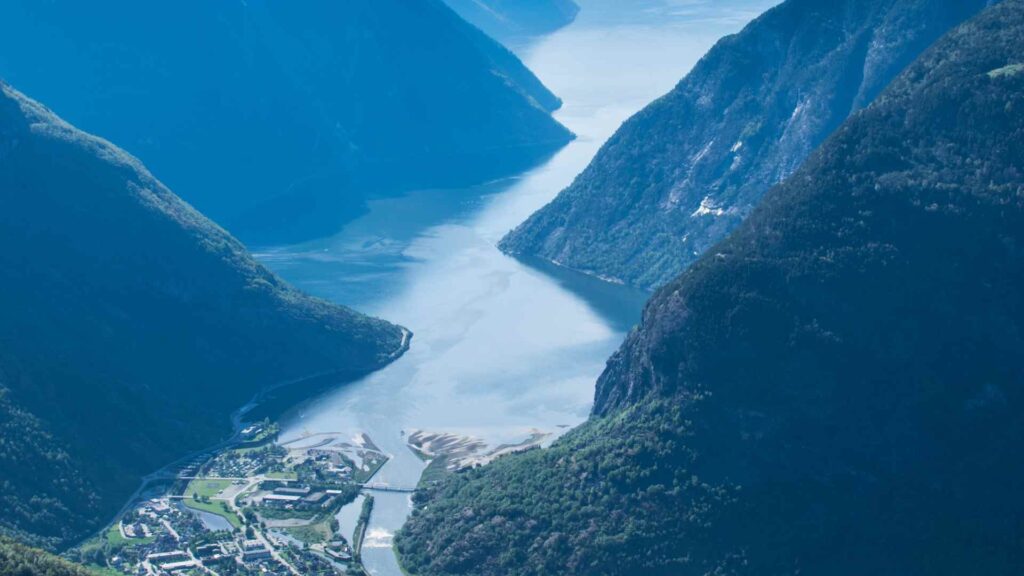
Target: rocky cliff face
837, 388
516, 19
130, 326
684, 172
275, 118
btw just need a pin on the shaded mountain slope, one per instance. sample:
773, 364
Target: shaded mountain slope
276, 118
838, 388
511, 19
130, 326
681, 174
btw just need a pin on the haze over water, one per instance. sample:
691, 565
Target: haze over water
500, 348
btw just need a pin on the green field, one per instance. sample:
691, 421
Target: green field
206, 488
114, 538
103, 570
282, 475
317, 533
215, 508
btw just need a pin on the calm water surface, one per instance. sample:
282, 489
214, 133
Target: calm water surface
501, 349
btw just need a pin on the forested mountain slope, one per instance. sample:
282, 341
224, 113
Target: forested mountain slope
837, 388
680, 175
276, 118
19, 560
512, 19
130, 327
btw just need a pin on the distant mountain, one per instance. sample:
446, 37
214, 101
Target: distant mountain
837, 388
510, 19
684, 172
19, 560
130, 327
276, 118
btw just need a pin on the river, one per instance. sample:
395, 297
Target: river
501, 349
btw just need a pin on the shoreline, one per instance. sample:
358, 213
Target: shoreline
237, 425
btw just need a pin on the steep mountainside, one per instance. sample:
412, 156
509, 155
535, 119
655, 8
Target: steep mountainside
681, 174
18, 560
130, 326
838, 388
510, 19
278, 118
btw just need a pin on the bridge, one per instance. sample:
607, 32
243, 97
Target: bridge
382, 487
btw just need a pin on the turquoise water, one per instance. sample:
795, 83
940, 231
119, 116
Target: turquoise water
501, 348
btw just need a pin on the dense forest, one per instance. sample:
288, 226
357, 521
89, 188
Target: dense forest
131, 327
685, 171
279, 119
834, 389
19, 560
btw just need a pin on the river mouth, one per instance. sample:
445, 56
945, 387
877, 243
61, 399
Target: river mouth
504, 350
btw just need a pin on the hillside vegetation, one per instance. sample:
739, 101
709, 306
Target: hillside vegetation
278, 119
131, 327
834, 389
19, 560
684, 172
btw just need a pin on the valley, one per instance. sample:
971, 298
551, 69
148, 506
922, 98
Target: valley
504, 355
658, 287
503, 352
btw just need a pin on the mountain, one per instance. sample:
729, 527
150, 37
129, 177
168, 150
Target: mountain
130, 327
684, 172
837, 388
19, 560
511, 19
276, 118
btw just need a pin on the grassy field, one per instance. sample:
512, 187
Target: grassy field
312, 534
280, 514
206, 488
282, 475
217, 508
114, 538
103, 570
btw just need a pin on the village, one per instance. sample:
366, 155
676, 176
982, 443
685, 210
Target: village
257, 507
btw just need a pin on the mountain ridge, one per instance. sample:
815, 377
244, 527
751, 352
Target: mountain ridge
835, 388
132, 326
278, 119
517, 19
685, 171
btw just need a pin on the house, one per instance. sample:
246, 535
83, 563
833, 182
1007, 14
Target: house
178, 566
161, 558
338, 554
280, 500
208, 550
293, 491
315, 499
254, 550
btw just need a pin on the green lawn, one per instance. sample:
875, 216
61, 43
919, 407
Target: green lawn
282, 475
114, 538
313, 534
103, 570
215, 507
206, 488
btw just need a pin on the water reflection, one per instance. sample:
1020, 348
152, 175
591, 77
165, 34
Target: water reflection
502, 348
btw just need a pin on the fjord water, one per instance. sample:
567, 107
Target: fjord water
501, 349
